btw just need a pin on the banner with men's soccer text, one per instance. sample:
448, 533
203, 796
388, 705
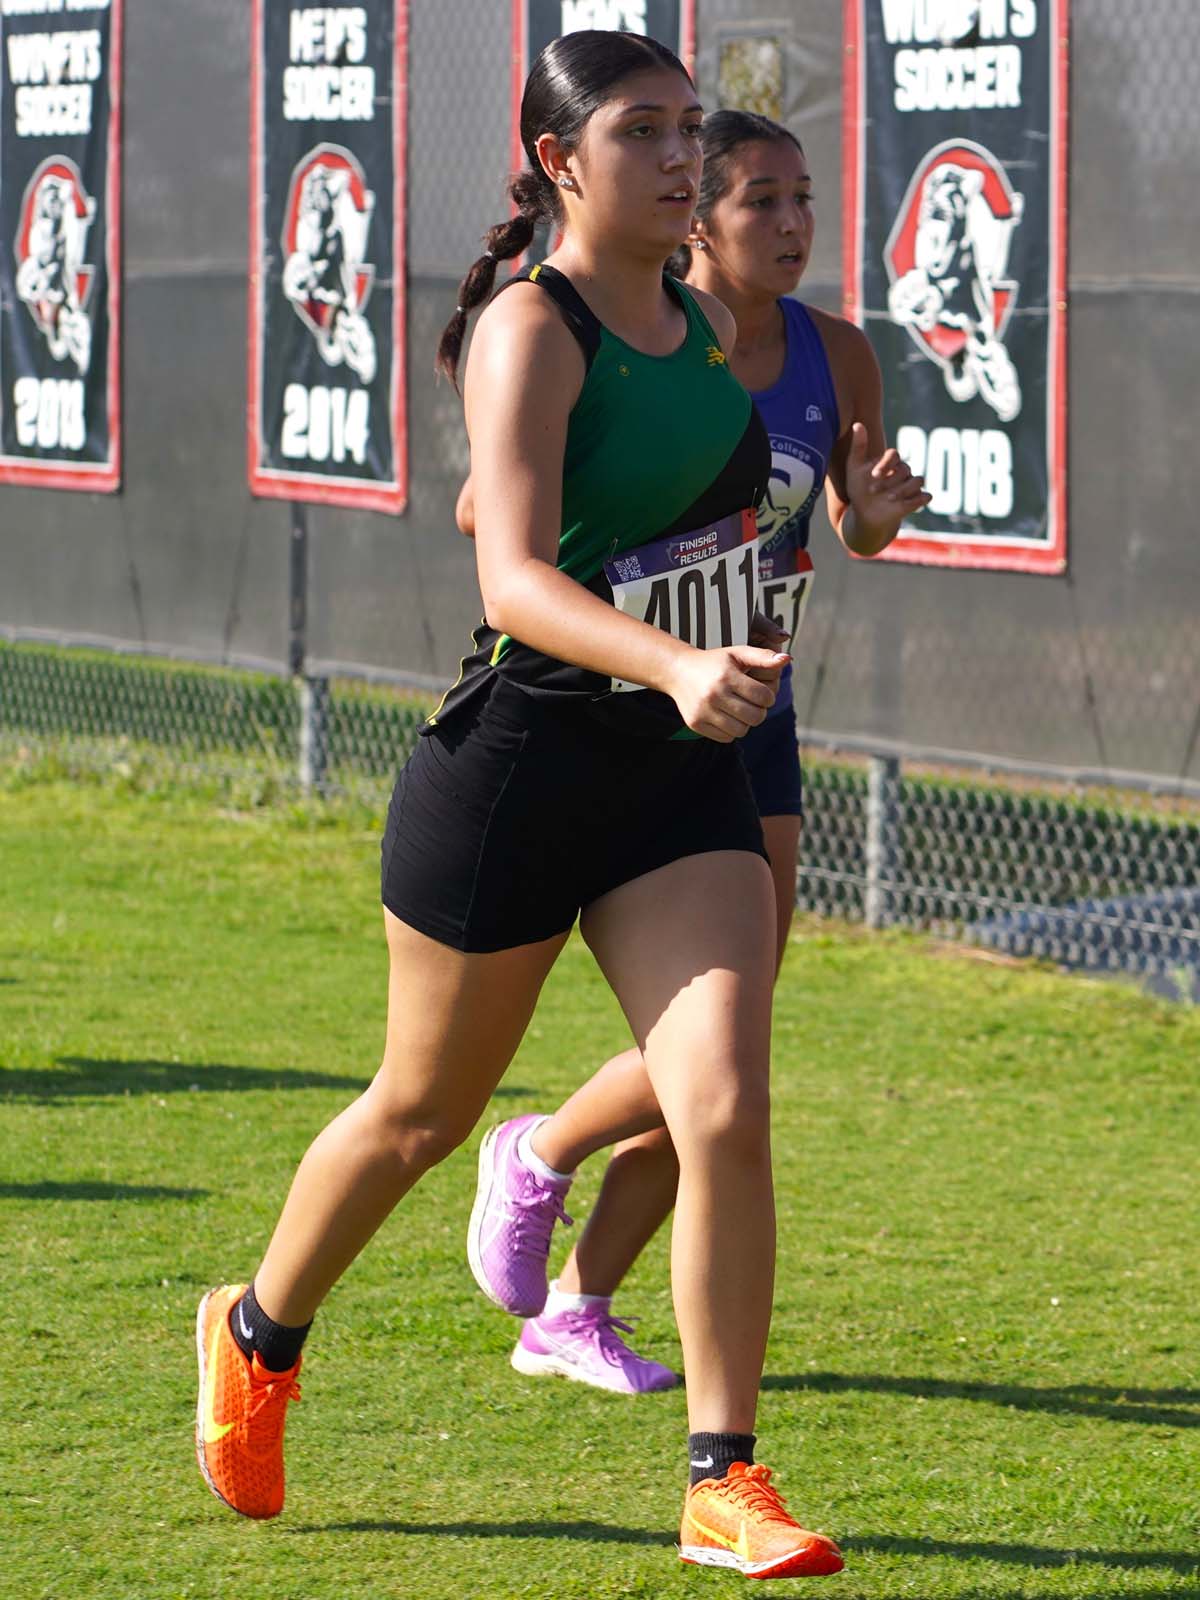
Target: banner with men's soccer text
60, 243
536, 22
955, 264
327, 350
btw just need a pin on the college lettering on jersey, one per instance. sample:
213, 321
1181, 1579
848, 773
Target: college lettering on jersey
327, 344
60, 243
955, 264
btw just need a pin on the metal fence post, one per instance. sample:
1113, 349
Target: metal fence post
314, 732
883, 838
297, 588
313, 742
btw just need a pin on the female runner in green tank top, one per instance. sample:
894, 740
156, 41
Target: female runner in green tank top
585, 765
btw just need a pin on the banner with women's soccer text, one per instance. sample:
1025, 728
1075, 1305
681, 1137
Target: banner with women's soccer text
60, 243
955, 264
327, 352
536, 22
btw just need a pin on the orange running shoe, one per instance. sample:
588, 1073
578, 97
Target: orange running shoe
240, 1413
740, 1521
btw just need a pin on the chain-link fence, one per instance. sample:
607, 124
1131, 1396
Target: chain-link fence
1104, 881
93, 710
1095, 879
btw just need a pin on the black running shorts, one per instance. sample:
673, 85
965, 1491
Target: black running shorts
505, 824
773, 765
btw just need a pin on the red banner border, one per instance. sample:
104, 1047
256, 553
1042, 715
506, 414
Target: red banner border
994, 554
23, 471
317, 488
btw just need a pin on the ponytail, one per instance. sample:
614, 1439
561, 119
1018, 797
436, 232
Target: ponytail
532, 192
678, 263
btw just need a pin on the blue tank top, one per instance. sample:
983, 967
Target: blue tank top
801, 416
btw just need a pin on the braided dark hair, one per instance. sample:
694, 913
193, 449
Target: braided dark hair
570, 80
722, 134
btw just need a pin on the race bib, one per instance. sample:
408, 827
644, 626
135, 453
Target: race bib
785, 580
697, 586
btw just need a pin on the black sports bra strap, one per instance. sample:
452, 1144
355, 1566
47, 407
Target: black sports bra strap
582, 321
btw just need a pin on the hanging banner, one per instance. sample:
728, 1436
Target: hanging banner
955, 264
536, 22
60, 243
327, 354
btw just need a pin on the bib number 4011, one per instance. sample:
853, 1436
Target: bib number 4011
680, 605
698, 586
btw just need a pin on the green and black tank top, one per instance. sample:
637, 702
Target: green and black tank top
656, 446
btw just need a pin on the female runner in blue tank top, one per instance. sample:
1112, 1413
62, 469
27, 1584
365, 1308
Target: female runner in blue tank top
816, 383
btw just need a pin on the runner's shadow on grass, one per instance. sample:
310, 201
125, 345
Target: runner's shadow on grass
1030, 1555
74, 1077
1033, 1556
1158, 1407
85, 1189
586, 1532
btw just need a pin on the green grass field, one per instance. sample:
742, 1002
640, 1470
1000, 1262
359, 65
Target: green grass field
983, 1376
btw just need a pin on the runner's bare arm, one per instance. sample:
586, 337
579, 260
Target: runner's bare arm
869, 490
464, 509
524, 373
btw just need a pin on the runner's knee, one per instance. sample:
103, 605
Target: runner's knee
730, 1120
423, 1135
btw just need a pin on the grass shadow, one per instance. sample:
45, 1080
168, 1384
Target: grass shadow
1158, 1407
87, 1189
1036, 1557
1029, 1555
74, 1077
587, 1532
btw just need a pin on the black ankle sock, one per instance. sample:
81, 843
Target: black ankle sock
712, 1454
278, 1347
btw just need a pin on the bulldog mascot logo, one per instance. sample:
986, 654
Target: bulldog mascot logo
52, 279
325, 275
947, 259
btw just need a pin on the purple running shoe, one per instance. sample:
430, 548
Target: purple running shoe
508, 1237
587, 1347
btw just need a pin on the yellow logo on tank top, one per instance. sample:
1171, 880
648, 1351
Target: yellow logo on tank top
716, 356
